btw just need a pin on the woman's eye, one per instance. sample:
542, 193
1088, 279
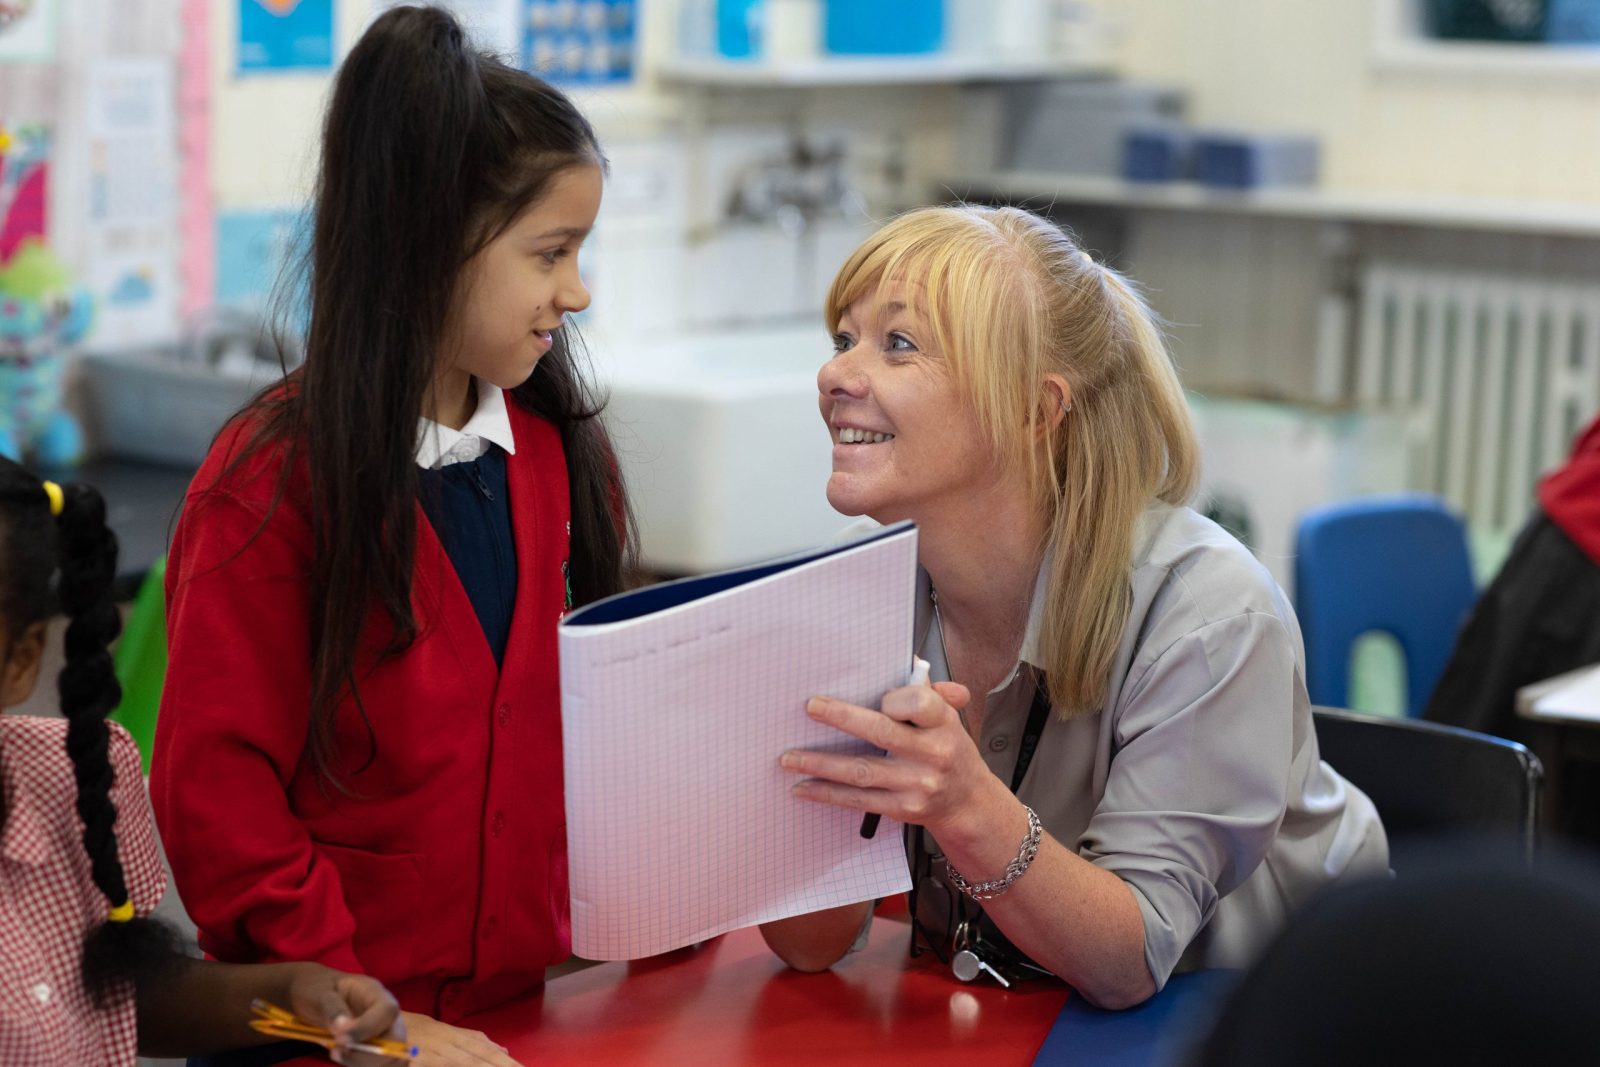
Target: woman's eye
842, 342
899, 342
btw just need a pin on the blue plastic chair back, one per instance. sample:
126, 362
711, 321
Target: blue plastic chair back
1396, 564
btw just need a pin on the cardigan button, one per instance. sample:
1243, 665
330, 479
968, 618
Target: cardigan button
998, 744
504, 715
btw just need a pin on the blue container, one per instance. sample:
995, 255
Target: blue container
1250, 160
883, 27
739, 28
1156, 154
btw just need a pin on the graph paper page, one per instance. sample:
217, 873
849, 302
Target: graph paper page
680, 824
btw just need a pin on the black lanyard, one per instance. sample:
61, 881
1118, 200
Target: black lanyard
1038, 715
962, 910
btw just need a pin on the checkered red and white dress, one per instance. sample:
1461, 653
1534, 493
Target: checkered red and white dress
48, 901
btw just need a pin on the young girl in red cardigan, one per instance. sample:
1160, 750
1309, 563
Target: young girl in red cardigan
86, 975
358, 757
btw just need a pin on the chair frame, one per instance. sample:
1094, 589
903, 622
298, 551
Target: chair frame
1527, 832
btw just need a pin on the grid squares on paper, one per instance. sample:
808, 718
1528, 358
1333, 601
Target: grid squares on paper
680, 823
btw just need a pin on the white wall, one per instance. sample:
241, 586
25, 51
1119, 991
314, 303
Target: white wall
1310, 65
661, 257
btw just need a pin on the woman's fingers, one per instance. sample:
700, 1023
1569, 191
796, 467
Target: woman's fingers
910, 706
823, 791
955, 694
859, 772
920, 729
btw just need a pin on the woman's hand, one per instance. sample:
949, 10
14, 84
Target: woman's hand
932, 775
353, 1007
442, 1045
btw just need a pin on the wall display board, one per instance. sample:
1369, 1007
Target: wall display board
24, 184
285, 35
27, 30
581, 42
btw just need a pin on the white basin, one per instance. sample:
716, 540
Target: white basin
725, 455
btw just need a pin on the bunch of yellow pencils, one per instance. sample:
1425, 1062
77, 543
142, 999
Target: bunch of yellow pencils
277, 1022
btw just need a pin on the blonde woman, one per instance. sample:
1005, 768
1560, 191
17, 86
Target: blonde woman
1129, 658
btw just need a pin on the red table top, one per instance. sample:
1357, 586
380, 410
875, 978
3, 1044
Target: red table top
732, 1001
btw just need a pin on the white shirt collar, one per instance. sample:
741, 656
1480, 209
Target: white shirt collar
490, 424
1030, 652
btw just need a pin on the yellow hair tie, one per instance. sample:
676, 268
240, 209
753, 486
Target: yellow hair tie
122, 912
58, 499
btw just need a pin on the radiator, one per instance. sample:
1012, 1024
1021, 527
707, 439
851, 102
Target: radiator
1499, 370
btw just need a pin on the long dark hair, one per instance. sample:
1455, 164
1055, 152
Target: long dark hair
430, 150
36, 547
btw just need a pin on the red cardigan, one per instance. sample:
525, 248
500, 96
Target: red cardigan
1570, 495
443, 872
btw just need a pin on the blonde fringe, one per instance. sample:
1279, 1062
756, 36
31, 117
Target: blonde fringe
1011, 298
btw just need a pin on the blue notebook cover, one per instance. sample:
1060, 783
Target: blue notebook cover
638, 603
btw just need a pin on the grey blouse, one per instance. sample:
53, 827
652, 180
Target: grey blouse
1199, 782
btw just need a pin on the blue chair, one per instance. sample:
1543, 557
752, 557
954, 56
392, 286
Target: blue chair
1394, 564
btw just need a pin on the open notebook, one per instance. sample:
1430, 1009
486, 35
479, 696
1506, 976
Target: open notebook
676, 702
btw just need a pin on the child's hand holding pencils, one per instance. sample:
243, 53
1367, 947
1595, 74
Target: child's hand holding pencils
353, 1017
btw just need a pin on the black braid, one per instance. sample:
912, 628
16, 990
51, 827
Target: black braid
85, 550
89, 689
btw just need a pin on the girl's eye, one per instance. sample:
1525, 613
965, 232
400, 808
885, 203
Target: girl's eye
553, 255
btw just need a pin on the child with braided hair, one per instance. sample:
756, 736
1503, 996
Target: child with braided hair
87, 975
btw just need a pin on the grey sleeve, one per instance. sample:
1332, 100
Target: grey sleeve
1199, 781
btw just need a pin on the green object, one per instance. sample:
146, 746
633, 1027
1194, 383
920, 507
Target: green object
1378, 675
34, 272
141, 660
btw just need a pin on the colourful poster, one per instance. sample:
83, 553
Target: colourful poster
27, 30
24, 182
580, 42
256, 253
131, 242
197, 243
279, 35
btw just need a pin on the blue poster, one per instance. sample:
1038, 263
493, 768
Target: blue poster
256, 253
580, 42
279, 35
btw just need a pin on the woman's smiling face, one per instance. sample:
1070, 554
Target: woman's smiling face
904, 440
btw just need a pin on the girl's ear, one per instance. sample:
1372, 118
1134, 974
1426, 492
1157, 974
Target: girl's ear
21, 670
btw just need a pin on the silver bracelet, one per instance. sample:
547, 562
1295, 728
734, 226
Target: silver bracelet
1017, 868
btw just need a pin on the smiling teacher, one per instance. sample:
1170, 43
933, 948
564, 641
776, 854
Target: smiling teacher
1115, 771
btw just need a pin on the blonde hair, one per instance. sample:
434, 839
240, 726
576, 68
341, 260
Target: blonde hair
1011, 298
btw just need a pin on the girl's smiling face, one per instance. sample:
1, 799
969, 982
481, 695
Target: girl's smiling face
518, 290
905, 441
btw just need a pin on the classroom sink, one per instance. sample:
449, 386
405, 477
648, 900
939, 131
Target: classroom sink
725, 455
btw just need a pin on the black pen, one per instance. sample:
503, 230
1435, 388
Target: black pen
919, 676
